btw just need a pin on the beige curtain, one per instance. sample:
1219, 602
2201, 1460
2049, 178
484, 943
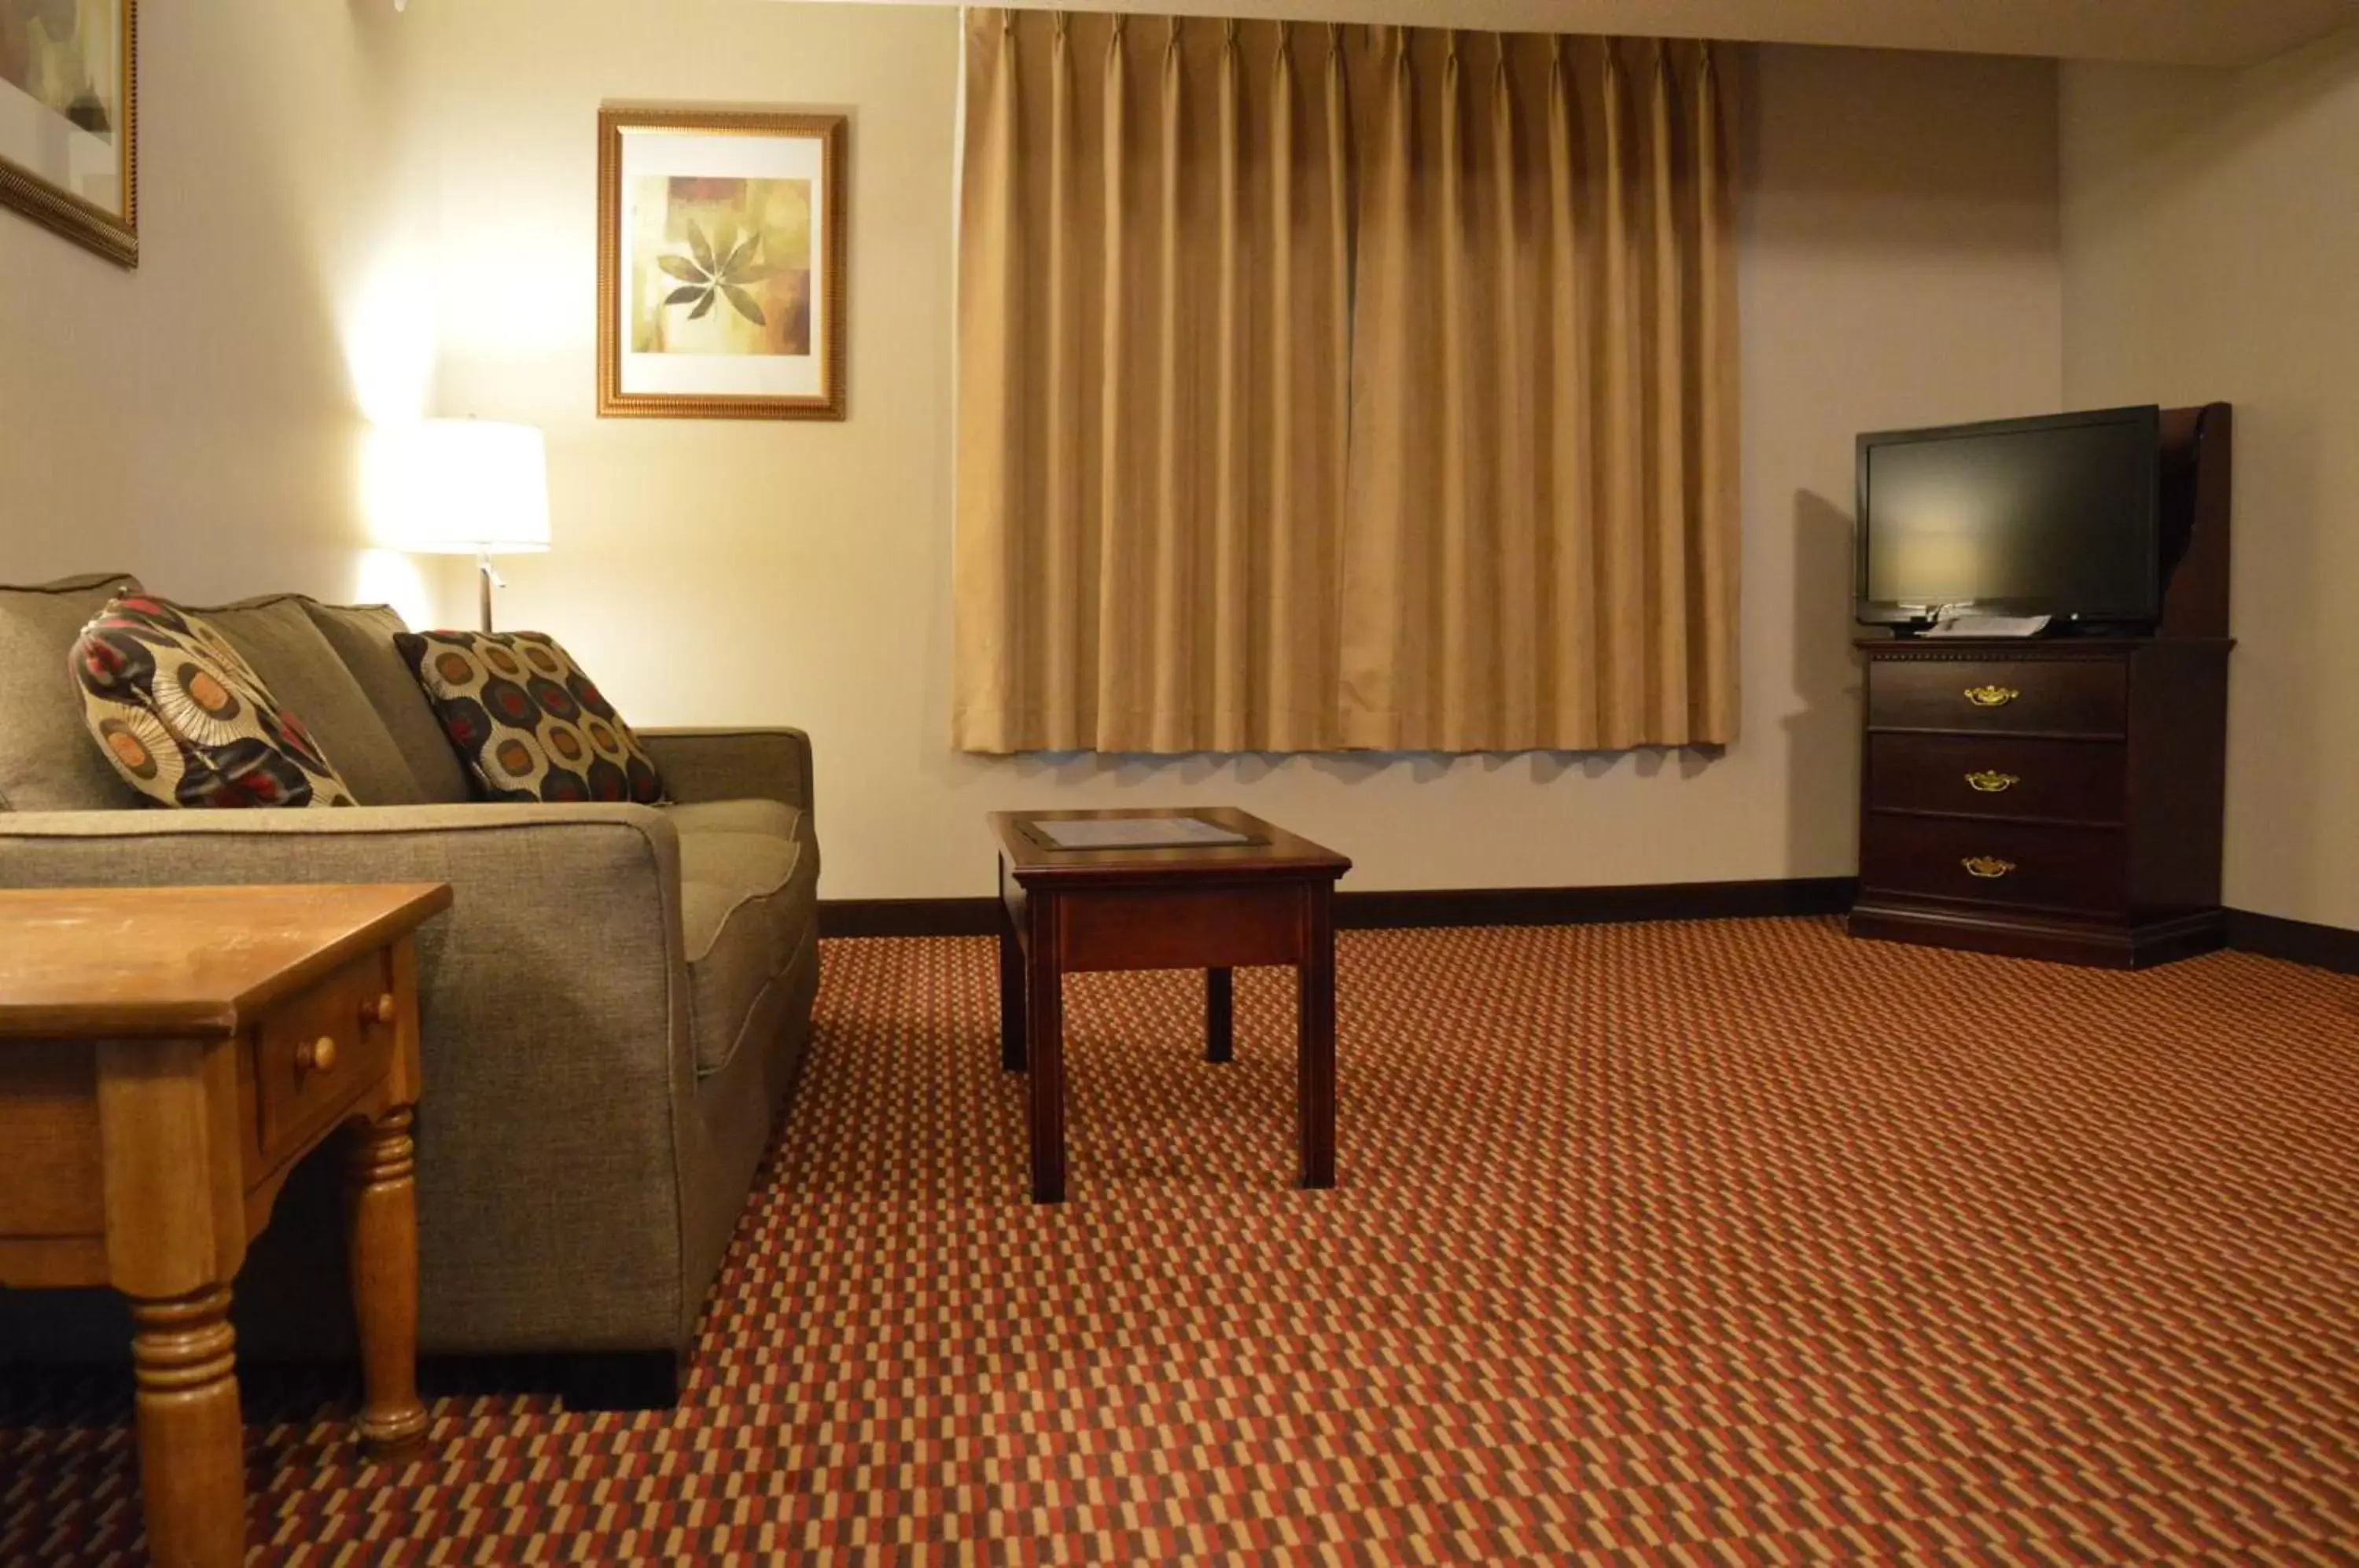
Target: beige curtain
1153, 366
1335, 387
1541, 543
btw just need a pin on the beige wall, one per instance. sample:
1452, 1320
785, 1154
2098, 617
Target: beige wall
1900, 266
198, 421
2212, 251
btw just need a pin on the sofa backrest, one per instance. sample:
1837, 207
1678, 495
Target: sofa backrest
334, 666
277, 635
48, 761
362, 636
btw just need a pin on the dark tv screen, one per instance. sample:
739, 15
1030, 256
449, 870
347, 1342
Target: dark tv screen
2054, 516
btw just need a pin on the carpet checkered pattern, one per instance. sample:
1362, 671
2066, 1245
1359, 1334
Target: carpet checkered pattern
1721, 1242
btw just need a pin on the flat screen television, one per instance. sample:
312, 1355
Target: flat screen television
2059, 516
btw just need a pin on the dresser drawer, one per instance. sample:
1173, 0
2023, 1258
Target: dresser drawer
2081, 869
2020, 696
1999, 776
314, 1048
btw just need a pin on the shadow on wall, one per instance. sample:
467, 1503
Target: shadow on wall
263, 212
2278, 702
1913, 157
1823, 736
2209, 117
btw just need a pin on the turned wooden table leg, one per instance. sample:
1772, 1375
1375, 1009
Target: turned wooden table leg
1220, 1015
192, 1449
381, 1202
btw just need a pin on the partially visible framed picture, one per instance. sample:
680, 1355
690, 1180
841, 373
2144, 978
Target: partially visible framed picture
69, 120
720, 275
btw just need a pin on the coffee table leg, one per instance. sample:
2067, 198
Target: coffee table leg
1220, 1016
1046, 1034
1011, 995
192, 1449
381, 1199
1315, 1027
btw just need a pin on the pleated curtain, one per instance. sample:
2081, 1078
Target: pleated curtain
1327, 387
1154, 369
1540, 550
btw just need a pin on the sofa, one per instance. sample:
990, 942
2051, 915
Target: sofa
613, 1011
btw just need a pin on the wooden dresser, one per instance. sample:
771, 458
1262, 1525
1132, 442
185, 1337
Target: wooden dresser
2054, 799
2061, 797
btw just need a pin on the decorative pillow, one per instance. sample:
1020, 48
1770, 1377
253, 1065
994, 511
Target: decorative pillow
526, 721
186, 721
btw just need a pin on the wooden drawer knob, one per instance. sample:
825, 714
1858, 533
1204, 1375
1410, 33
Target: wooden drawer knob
317, 1056
381, 1011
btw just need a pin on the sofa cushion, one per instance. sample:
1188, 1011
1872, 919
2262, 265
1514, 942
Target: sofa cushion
186, 721
362, 636
773, 817
46, 763
528, 722
748, 895
303, 671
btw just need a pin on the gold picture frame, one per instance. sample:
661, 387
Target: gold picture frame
56, 167
721, 264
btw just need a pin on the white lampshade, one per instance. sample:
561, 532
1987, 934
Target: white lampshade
462, 487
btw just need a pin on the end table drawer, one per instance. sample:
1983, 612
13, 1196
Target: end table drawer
316, 1048
2068, 868
2002, 696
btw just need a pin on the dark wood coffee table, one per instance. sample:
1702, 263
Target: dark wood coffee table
1214, 907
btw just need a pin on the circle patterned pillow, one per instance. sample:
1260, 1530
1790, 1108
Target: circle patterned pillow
186, 721
527, 722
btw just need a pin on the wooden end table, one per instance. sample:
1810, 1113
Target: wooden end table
167, 1055
1214, 907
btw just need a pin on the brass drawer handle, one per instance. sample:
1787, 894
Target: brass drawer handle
1991, 696
316, 1055
1989, 783
1990, 869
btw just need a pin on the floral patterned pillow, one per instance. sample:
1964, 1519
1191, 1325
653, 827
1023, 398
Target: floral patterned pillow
527, 722
186, 721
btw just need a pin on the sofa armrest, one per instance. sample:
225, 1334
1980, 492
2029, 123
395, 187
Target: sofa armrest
557, 1070
700, 764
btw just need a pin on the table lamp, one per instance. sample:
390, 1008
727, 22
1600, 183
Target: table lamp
465, 487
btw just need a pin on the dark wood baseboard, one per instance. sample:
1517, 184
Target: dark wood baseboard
909, 917
1593, 906
1425, 906
2297, 941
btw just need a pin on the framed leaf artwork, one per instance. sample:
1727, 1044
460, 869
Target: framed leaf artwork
68, 122
721, 274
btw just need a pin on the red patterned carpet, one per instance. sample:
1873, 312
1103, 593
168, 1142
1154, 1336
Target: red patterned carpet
1730, 1242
